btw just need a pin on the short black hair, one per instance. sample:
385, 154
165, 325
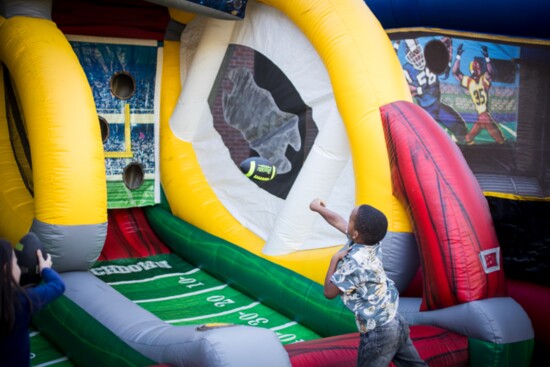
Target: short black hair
371, 224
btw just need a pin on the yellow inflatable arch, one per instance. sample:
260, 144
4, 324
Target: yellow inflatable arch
364, 74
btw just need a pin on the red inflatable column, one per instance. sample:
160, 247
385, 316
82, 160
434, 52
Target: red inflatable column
459, 250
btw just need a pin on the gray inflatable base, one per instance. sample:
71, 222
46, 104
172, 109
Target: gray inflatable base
233, 346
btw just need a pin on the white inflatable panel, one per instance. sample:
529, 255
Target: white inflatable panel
286, 225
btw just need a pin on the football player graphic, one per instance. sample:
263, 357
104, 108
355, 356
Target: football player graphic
478, 84
425, 87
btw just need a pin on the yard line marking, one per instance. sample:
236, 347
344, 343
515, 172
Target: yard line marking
215, 314
161, 299
34, 333
280, 327
55, 361
510, 131
153, 278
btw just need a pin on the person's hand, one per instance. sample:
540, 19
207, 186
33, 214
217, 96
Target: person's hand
460, 49
316, 205
448, 42
485, 51
340, 255
43, 262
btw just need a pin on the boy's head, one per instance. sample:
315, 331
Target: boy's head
367, 225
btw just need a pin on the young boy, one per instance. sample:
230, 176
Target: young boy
357, 275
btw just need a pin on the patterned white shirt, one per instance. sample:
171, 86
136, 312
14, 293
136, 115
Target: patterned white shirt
367, 291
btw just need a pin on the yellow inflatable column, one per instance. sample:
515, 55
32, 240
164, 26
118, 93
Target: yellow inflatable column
70, 195
16, 203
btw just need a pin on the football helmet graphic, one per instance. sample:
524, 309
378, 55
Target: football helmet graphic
475, 68
414, 53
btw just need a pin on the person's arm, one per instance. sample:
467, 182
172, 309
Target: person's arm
332, 218
456, 66
415, 91
490, 69
331, 290
396, 45
448, 42
53, 285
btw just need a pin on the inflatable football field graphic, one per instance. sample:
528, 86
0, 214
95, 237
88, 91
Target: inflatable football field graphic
181, 294
43, 353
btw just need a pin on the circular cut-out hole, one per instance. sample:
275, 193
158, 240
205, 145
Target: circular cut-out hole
104, 126
437, 56
133, 175
123, 85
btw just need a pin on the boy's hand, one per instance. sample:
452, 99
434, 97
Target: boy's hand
340, 255
316, 205
43, 262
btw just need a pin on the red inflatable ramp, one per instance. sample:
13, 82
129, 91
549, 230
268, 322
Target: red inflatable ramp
438, 347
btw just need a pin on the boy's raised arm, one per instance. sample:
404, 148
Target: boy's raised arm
332, 218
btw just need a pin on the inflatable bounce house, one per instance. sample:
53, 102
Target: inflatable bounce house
124, 124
